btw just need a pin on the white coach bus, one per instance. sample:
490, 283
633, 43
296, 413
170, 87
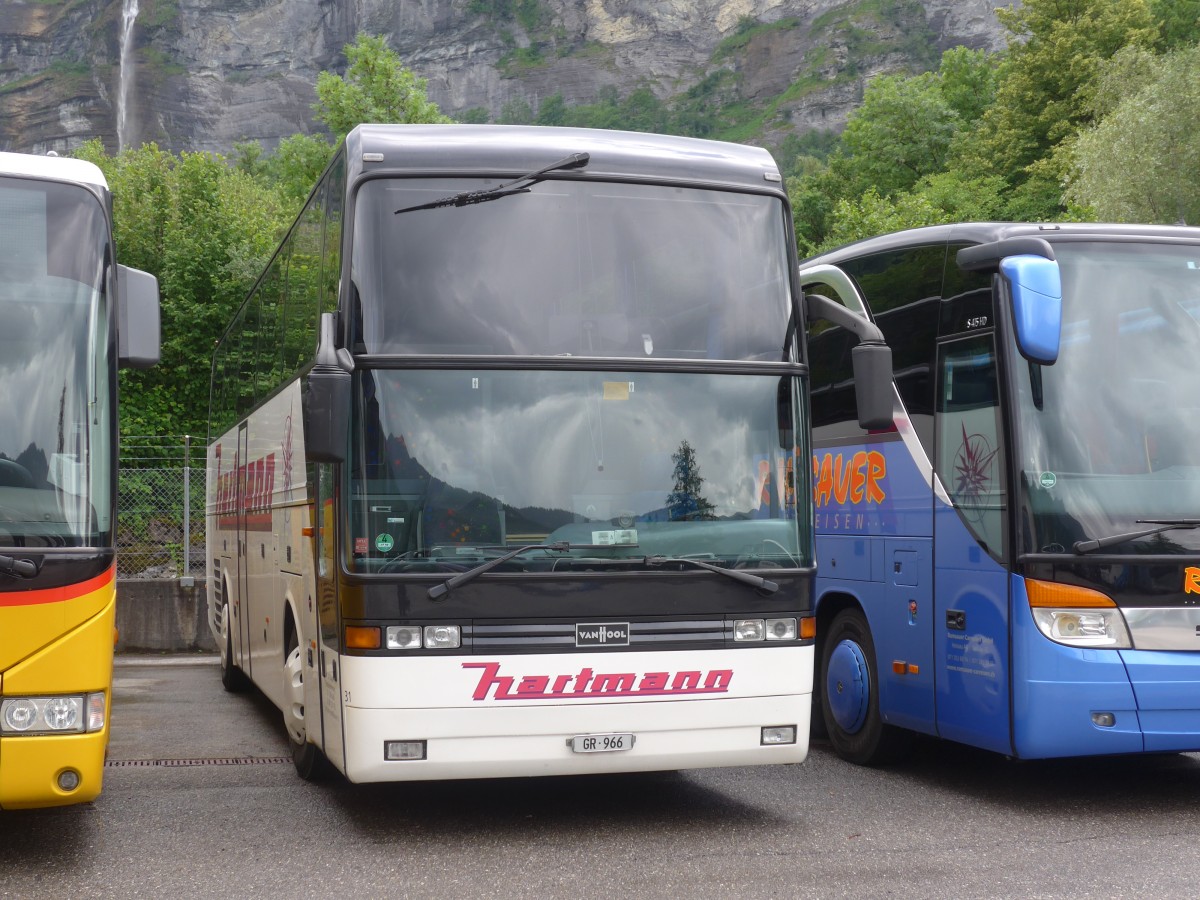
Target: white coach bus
508, 460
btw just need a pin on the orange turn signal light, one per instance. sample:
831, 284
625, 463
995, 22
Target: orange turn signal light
1050, 594
808, 628
360, 637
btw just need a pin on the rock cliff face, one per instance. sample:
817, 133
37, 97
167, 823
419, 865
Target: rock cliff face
202, 74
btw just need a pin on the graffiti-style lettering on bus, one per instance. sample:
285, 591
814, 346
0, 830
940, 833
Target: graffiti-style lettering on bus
855, 479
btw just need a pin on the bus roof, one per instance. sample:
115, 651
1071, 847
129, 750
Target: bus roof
499, 150
984, 232
58, 168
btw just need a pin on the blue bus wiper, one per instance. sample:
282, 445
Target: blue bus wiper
745, 577
1163, 525
516, 186
439, 590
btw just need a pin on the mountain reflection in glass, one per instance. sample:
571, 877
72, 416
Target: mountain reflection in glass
450, 465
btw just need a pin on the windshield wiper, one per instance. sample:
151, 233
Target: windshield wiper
440, 590
516, 186
19, 568
745, 577
1162, 525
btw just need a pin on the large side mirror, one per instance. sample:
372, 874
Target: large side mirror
871, 358
872, 364
139, 341
327, 399
1035, 284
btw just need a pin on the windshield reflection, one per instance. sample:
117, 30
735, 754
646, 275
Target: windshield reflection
54, 427
455, 464
570, 269
1110, 433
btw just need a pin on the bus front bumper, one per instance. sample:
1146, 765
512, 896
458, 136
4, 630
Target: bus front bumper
33, 766
536, 741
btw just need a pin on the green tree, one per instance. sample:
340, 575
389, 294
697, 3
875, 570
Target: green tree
1139, 163
1178, 22
968, 80
686, 500
205, 229
901, 132
1055, 50
296, 165
872, 214
376, 88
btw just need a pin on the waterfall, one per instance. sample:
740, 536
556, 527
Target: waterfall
129, 11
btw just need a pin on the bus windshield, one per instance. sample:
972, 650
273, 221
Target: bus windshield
448, 466
55, 461
1110, 434
571, 268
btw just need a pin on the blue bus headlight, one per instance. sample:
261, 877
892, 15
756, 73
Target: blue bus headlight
1084, 627
1077, 616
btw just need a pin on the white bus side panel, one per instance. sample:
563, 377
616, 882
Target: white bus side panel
269, 484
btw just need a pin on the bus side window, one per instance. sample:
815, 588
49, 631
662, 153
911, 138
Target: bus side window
903, 289
834, 413
970, 460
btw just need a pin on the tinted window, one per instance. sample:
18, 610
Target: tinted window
571, 269
903, 289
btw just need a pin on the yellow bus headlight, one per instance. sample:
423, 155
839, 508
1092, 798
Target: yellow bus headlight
52, 715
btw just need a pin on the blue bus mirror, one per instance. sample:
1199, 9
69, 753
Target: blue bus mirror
1035, 284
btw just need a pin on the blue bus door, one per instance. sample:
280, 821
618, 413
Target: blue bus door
971, 586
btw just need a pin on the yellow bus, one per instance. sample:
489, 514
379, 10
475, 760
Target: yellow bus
69, 315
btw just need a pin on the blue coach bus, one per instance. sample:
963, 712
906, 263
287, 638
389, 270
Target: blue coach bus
1015, 563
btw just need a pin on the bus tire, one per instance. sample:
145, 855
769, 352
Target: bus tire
850, 695
309, 761
233, 679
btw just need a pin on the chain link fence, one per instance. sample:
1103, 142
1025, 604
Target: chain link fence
160, 507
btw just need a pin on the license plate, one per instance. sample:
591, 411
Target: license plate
601, 743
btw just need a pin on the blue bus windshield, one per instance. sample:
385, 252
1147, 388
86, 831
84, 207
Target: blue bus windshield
1110, 433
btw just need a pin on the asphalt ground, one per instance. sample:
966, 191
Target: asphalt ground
200, 801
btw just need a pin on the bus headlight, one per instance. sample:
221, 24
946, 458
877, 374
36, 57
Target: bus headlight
1077, 617
52, 715
749, 630
442, 637
781, 629
429, 637
403, 637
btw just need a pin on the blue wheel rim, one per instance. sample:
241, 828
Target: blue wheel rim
848, 691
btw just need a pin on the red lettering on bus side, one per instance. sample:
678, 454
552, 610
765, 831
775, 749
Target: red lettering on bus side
718, 680
876, 471
613, 683
533, 684
841, 479
858, 480
853, 479
653, 681
686, 681
488, 680
824, 488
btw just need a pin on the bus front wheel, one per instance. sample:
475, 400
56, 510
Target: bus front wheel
308, 759
850, 701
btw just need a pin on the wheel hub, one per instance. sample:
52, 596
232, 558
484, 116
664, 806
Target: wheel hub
848, 689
